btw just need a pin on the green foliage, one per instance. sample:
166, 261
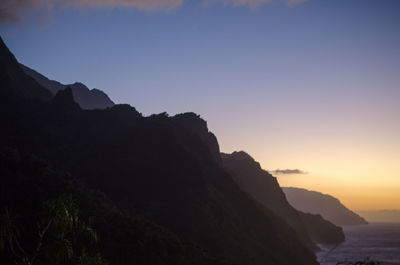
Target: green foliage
58, 231
8, 230
77, 224
86, 259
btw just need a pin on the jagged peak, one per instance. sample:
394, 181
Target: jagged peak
193, 122
238, 155
14, 81
65, 98
192, 119
64, 95
98, 91
79, 85
124, 107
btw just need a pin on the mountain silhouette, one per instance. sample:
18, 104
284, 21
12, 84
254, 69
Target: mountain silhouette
14, 81
381, 216
325, 205
86, 98
321, 230
264, 188
166, 169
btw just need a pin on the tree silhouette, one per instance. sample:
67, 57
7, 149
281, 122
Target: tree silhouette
59, 235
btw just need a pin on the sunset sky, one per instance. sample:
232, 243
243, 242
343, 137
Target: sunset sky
311, 85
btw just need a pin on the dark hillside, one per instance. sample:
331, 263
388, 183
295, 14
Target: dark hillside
14, 81
325, 205
164, 168
85, 97
264, 188
28, 182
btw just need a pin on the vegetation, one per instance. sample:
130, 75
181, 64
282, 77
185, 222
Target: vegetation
61, 236
39, 226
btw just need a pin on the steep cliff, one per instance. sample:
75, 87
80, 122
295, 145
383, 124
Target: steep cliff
265, 188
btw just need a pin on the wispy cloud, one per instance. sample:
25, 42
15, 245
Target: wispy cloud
254, 3
11, 10
289, 171
139, 4
292, 3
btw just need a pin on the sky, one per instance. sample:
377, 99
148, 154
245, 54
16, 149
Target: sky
310, 85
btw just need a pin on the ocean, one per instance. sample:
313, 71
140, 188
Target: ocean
379, 242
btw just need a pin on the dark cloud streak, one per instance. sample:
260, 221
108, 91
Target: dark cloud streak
289, 172
11, 10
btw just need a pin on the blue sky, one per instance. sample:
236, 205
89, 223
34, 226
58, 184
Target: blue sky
295, 86
210, 52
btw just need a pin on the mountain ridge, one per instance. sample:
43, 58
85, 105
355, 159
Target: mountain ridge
264, 188
14, 81
326, 205
85, 97
164, 168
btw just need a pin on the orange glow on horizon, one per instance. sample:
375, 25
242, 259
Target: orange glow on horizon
359, 167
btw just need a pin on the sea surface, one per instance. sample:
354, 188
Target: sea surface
379, 241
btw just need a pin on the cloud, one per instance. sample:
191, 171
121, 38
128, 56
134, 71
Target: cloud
289, 171
11, 10
254, 3
292, 3
138, 4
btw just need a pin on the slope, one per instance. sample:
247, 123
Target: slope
265, 189
327, 206
14, 81
86, 98
27, 184
164, 168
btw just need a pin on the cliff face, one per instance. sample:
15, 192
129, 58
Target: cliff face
197, 126
259, 183
15, 82
165, 168
321, 230
325, 205
264, 188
